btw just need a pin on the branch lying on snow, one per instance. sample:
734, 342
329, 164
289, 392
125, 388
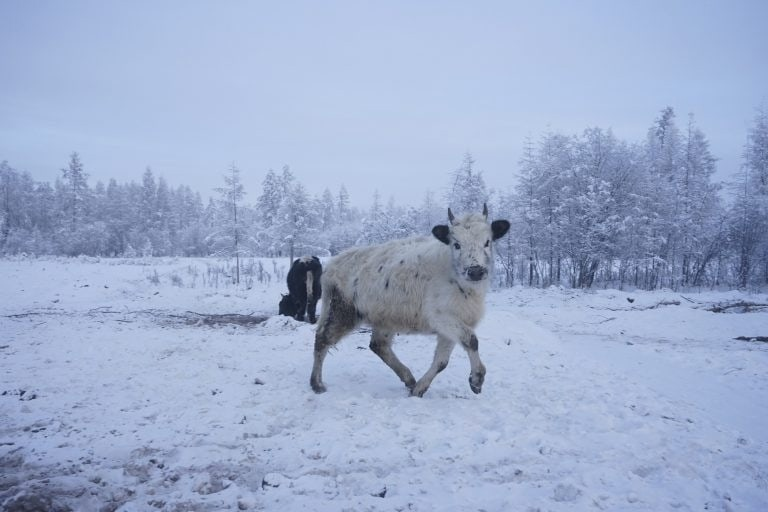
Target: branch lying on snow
34, 313
662, 303
636, 308
738, 307
190, 317
231, 318
764, 339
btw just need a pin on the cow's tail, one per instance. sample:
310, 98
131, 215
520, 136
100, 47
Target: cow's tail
310, 285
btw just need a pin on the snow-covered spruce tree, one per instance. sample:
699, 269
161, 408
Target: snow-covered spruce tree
466, 189
187, 214
74, 235
508, 249
525, 202
43, 215
553, 184
326, 206
663, 159
148, 200
20, 216
748, 217
375, 225
162, 233
228, 239
268, 202
431, 213
296, 228
345, 229
75, 190
343, 208
116, 213
283, 209
700, 212
598, 207
152, 231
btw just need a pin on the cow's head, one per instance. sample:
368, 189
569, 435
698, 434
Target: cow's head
287, 306
470, 239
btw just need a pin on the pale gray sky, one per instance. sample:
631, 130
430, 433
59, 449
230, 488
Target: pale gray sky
374, 95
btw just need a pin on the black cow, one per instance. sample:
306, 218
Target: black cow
303, 289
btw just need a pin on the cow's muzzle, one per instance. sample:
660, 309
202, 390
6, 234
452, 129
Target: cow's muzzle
476, 273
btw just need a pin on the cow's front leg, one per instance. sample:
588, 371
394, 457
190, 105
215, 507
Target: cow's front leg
301, 308
477, 368
442, 355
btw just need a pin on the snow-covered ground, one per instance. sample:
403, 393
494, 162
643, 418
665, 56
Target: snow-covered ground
112, 397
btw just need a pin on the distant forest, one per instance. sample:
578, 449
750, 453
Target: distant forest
588, 210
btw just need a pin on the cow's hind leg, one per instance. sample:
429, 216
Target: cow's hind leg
442, 355
339, 319
381, 344
312, 308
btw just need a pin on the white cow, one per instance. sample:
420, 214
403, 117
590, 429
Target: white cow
415, 285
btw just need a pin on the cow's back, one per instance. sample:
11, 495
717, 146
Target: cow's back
390, 283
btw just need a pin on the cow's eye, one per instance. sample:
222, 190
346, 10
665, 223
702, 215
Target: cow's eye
456, 245
487, 243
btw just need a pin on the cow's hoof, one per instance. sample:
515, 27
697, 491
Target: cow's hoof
419, 390
476, 383
318, 387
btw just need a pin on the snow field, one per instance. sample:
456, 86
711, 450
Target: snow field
112, 400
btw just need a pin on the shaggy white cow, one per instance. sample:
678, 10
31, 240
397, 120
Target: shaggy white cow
415, 285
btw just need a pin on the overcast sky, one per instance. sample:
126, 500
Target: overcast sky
375, 95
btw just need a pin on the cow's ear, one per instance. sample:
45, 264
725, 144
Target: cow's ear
499, 228
441, 233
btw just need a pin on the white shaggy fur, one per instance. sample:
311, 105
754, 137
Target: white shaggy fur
433, 285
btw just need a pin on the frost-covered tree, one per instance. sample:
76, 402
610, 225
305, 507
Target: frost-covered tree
466, 190
268, 202
75, 191
342, 205
296, 229
375, 225
699, 212
526, 205
18, 215
327, 208
228, 237
663, 160
748, 217
148, 201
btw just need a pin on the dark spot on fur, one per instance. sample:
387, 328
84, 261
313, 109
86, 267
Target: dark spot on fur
381, 267
416, 276
402, 262
442, 366
386, 285
473, 343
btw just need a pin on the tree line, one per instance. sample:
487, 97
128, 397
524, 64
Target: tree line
587, 210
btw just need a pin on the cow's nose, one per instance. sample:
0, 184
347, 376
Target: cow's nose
476, 272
